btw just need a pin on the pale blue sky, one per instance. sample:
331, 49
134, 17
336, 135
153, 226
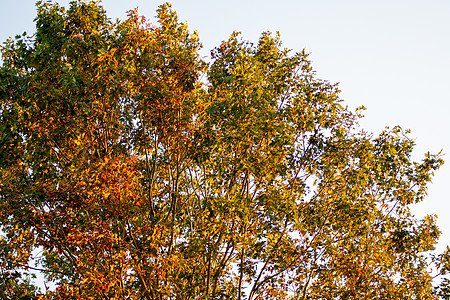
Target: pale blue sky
392, 56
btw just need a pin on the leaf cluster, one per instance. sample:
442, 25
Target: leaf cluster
126, 175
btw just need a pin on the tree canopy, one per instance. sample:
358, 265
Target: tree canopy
133, 169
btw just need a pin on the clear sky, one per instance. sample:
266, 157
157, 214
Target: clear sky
392, 56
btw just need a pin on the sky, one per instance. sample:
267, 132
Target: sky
392, 56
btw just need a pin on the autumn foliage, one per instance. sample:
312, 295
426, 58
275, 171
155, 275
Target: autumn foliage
132, 169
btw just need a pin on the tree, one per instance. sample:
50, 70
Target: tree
126, 175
